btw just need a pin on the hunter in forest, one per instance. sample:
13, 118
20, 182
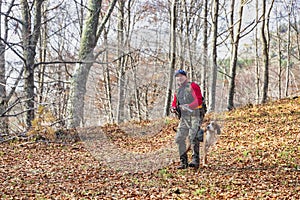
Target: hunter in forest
187, 103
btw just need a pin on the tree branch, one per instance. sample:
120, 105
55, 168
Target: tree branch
11, 17
12, 49
105, 19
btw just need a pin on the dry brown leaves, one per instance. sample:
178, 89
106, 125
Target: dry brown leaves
257, 157
142, 136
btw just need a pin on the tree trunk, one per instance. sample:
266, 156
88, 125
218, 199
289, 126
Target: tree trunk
42, 54
88, 42
181, 38
136, 93
265, 41
234, 53
214, 67
288, 64
121, 66
30, 38
279, 56
297, 29
205, 50
186, 53
265, 54
257, 71
279, 67
3, 99
172, 56
107, 81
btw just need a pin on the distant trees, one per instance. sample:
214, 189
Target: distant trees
186, 49
48, 48
290, 8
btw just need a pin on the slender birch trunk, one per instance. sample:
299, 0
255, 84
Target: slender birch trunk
279, 56
3, 98
257, 68
288, 64
121, 66
172, 56
214, 67
107, 81
265, 45
234, 53
205, 50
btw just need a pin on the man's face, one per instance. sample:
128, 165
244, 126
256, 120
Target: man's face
180, 79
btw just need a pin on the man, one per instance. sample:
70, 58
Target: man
188, 99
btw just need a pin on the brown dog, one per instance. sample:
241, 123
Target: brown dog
210, 136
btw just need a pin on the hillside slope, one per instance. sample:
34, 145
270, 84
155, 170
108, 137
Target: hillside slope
256, 157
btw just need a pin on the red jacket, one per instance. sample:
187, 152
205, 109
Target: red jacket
196, 93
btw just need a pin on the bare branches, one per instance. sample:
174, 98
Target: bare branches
10, 107
105, 18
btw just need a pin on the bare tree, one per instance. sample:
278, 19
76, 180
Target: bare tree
30, 36
265, 53
205, 49
42, 54
50, 48
108, 90
9, 22
235, 38
214, 67
288, 63
279, 54
91, 32
121, 64
3, 98
265, 45
189, 23
173, 22
257, 71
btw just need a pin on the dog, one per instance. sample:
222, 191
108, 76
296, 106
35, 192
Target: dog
208, 137
212, 130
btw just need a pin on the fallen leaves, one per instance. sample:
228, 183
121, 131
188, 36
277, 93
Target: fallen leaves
257, 157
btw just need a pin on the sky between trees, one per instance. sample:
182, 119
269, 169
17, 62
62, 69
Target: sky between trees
131, 56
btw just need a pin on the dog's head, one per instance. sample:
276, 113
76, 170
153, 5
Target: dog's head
213, 126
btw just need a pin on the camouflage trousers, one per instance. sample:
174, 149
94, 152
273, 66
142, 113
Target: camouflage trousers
187, 129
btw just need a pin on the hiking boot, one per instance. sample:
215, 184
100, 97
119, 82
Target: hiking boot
182, 166
194, 165
183, 161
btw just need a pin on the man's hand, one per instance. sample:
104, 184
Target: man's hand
173, 109
176, 111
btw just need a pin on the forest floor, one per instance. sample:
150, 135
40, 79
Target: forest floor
256, 157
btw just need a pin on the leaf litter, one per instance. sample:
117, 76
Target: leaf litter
256, 157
